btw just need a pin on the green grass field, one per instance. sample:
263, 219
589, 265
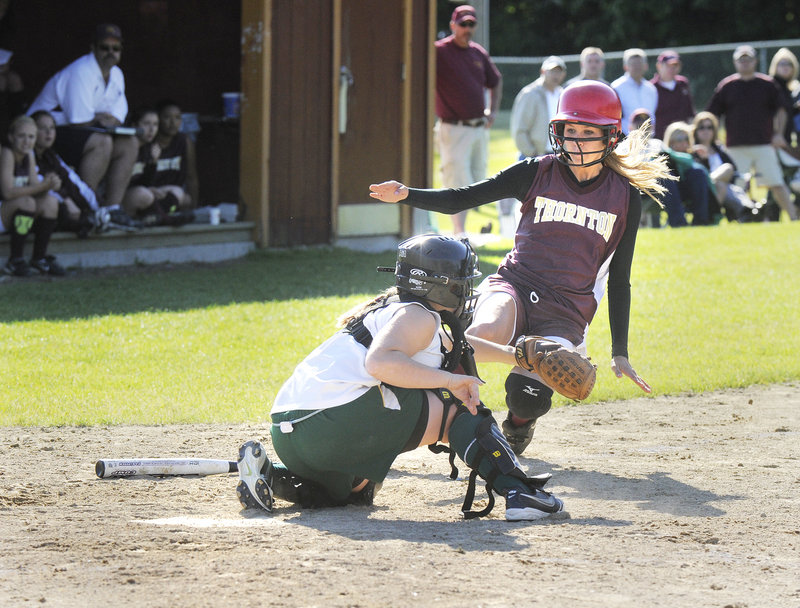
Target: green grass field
713, 307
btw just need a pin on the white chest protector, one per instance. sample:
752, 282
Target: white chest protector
334, 374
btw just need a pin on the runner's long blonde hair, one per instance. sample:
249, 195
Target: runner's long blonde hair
635, 160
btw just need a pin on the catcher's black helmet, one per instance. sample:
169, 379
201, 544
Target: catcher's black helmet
438, 269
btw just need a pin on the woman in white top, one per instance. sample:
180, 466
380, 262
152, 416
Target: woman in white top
385, 384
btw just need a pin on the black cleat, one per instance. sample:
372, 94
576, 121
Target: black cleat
48, 265
18, 268
528, 505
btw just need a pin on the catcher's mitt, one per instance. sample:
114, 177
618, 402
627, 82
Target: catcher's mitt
565, 371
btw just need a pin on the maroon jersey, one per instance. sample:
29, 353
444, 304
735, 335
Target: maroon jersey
566, 237
749, 107
673, 104
571, 238
462, 75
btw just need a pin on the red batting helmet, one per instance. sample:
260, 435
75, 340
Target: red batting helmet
587, 102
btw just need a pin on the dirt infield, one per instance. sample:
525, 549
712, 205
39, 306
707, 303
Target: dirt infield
680, 501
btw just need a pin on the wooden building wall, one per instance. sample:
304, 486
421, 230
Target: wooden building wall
295, 170
300, 123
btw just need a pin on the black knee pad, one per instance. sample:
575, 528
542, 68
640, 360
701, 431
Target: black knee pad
527, 398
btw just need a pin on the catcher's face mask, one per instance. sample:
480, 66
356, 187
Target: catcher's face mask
581, 144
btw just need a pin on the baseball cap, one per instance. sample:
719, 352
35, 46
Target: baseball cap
633, 53
744, 49
465, 12
107, 30
669, 57
554, 62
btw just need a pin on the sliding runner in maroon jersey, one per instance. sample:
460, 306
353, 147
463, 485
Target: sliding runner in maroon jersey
581, 207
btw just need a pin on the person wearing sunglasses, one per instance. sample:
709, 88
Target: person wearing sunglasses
710, 153
87, 100
464, 72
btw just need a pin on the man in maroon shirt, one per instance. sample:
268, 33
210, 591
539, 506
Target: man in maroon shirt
755, 118
674, 96
464, 71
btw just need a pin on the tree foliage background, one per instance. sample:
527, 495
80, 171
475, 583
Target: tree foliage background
524, 28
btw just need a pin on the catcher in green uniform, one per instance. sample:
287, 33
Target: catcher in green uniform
398, 375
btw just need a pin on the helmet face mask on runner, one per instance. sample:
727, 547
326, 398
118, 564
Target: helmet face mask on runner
440, 270
590, 104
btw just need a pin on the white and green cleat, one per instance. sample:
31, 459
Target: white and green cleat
255, 470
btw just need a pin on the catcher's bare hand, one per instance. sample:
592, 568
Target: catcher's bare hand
466, 389
388, 192
565, 371
622, 367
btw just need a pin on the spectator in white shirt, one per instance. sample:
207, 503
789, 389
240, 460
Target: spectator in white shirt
87, 100
634, 90
534, 107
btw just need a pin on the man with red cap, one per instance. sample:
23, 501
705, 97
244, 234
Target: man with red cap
464, 72
674, 96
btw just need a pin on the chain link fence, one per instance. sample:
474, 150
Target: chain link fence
703, 65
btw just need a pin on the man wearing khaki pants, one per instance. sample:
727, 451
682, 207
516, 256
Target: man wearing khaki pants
464, 73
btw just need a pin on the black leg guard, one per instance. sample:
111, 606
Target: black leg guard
480, 444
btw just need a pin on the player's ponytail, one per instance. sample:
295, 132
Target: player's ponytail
636, 159
360, 309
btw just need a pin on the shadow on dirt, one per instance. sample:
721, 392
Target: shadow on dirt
655, 492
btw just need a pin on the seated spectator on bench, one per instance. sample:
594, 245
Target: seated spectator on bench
709, 152
87, 100
26, 204
692, 191
176, 170
78, 205
156, 206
